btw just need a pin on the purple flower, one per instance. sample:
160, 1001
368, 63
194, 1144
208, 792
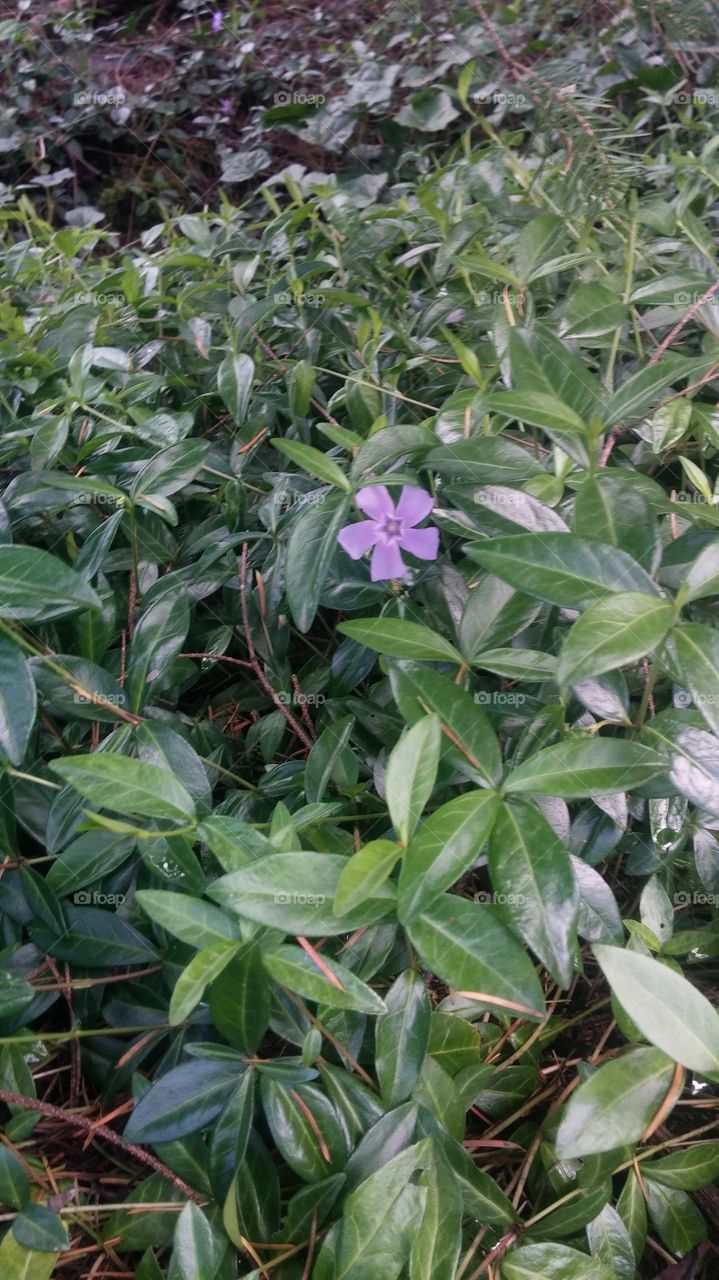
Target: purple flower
217, 20
391, 530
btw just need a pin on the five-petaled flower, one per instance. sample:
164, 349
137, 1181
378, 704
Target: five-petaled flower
391, 530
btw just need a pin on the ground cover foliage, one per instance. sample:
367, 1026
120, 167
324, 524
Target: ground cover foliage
355, 926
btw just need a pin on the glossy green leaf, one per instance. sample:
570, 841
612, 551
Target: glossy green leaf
561, 568
612, 633
194, 979
694, 649
668, 1010
468, 946
616, 1105
235, 376
35, 586
411, 774
315, 463
126, 786
295, 969
471, 742
446, 845
586, 766
183, 1100
552, 1262
533, 879
402, 1037
687, 1170
190, 919
365, 872
398, 638
18, 702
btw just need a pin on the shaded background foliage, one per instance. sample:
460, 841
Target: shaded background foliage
371, 925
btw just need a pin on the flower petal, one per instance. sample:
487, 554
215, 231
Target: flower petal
421, 542
355, 539
376, 502
386, 562
414, 504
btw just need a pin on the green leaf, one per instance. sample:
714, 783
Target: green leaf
159, 637
295, 969
18, 702
183, 1100
586, 766
561, 568
398, 638
616, 1105
313, 461
612, 633
197, 1248
533, 878
311, 547
37, 1227
668, 1010
552, 1262
378, 1223
437, 1244
694, 650
35, 586
632, 1209
411, 774
446, 845
294, 892
485, 460
169, 471
687, 1170
364, 873
537, 409
239, 999
311, 1147
470, 739
643, 389
327, 759
703, 577
126, 786
675, 1217
610, 1243
402, 1037
467, 946
199, 973
234, 383
14, 1182
193, 921
592, 310
19, 1263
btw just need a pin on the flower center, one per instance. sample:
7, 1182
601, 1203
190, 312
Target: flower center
392, 527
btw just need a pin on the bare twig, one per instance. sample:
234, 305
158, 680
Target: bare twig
101, 1131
